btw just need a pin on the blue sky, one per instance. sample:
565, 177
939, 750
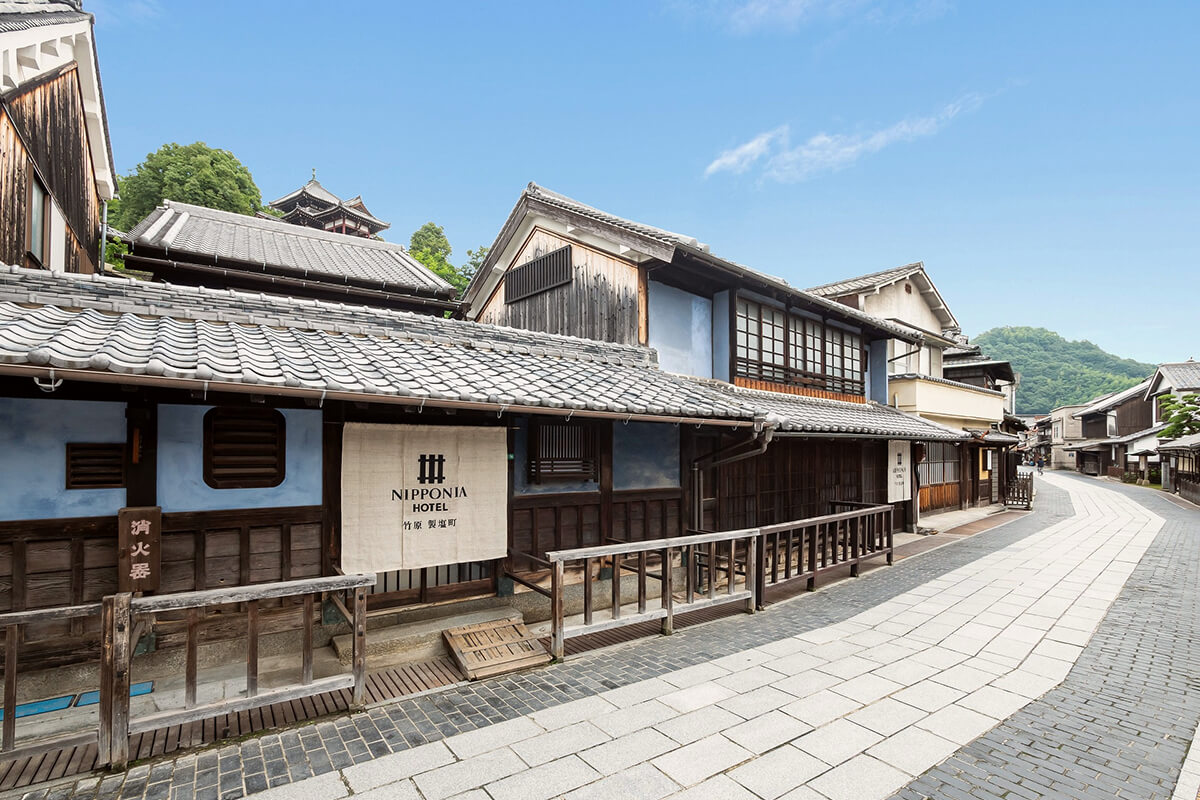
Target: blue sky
1041, 159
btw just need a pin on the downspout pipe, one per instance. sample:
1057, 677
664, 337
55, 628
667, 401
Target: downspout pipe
755, 446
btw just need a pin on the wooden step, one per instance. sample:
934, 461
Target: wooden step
486, 649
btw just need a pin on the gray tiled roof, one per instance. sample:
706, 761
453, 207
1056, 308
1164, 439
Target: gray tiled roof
562, 201
865, 283
1114, 399
144, 332
1182, 375
1182, 443
19, 15
152, 330
181, 228
811, 415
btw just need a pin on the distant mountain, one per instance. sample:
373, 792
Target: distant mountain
1056, 372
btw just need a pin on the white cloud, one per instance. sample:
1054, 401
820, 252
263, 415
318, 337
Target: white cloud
747, 16
826, 152
739, 159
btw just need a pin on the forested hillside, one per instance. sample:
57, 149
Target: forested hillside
1055, 371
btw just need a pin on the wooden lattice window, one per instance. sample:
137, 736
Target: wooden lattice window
539, 275
244, 448
95, 466
563, 451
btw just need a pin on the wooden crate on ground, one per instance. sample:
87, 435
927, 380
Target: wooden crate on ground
493, 648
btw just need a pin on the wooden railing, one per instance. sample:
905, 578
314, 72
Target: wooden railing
1020, 492
706, 559
124, 617
806, 548
14, 624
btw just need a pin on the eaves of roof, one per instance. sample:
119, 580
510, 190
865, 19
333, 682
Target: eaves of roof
1113, 400
945, 381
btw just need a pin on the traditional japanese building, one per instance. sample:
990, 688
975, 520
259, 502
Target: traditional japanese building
944, 379
188, 244
314, 206
56, 167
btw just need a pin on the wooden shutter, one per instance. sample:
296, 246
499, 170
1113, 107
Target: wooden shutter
95, 466
563, 451
243, 448
539, 275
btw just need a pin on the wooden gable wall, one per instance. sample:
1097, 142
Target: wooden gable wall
44, 122
603, 300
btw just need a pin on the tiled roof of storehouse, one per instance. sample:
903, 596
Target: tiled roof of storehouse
150, 331
797, 414
237, 241
1183, 376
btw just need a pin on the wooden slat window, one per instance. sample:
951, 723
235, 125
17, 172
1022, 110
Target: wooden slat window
539, 275
95, 466
941, 464
244, 448
563, 451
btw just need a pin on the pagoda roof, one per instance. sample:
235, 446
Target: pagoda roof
316, 202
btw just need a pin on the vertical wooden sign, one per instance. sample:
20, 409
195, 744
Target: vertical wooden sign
139, 543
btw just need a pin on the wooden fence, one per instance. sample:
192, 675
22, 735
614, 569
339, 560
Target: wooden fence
1188, 484
701, 554
1019, 492
122, 619
718, 567
803, 549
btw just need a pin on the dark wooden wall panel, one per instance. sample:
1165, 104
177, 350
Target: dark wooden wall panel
14, 200
49, 115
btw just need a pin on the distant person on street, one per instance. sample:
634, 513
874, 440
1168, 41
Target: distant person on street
1041, 463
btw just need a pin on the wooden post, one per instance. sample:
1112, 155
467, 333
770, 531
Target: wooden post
587, 591
854, 531
752, 568
890, 529
12, 636
360, 646
306, 667
104, 709
190, 669
119, 655
812, 557
557, 621
668, 600
756, 569
641, 582
252, 648
616, 587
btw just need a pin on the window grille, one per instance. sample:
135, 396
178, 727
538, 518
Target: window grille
563, 451
771, 345
95, 466
243, 448
542, 274
941, 464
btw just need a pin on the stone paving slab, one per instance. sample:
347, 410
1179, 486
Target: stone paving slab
854, 690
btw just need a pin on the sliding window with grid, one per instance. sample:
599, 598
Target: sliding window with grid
761, 337
843, 361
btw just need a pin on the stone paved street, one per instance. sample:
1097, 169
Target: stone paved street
1056, 656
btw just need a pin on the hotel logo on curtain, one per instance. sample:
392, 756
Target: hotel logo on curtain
418, 496
899, 471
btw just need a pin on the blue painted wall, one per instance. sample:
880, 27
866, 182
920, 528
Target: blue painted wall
33, 457
720, 336
181, 485
877, 371
645, 456
681, 330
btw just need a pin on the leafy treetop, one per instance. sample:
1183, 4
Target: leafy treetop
430, 246
191, 173
1182, 415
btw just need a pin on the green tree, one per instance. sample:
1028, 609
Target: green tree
475, 259
1182, 415
191, 173
430, 246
